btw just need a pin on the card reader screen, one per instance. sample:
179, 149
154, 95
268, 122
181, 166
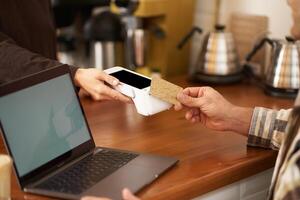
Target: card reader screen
132, 79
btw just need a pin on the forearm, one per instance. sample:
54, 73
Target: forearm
263, 127
240, 120
16, 62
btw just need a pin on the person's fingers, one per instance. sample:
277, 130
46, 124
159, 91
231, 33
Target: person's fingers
121, 97
188, 90
107, 91
83, 93
130, 101
202, 118
109, 79
100, 97
178, 106
195, 119
194, 91
188, 115
127, 195
196, 111
94, 198
191, 113
189, 101
99, 91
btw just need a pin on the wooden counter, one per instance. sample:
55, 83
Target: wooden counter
208, 159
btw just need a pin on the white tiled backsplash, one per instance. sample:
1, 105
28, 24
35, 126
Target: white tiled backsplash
278, 12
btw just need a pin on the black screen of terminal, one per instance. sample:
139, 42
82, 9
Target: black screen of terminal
132, 79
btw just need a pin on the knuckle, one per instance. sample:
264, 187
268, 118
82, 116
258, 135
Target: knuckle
189, 100
96, 97
207, 88
205, 101
114, 96
99, 89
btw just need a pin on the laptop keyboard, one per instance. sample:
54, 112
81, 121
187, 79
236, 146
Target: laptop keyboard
87, 172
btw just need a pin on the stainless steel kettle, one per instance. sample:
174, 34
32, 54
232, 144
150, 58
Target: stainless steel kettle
218, 60
283, 73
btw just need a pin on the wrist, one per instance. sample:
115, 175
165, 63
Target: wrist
77, 77
240, 120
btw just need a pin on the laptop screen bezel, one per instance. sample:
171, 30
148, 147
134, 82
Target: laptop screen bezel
55, 163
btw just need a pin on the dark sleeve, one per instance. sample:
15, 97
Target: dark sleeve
16, 62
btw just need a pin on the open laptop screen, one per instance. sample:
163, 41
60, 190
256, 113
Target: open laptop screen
42, 122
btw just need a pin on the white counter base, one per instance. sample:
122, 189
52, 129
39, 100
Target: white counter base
252, 188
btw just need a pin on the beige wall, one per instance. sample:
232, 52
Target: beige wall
277, 10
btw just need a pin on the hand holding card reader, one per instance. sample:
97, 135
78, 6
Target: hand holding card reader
137, 87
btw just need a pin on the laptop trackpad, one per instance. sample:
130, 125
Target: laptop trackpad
134, 176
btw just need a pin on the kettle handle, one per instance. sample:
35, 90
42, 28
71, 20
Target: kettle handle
188, 36
248, 71
258, 46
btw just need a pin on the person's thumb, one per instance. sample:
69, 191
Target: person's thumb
188, 100
127, 195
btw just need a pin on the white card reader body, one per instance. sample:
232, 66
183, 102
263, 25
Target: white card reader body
137, 87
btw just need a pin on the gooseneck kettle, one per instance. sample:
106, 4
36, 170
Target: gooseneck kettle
218, 60
283, 73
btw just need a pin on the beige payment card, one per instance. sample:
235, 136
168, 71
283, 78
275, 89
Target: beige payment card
164, 90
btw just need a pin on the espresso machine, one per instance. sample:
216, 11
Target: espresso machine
151, 31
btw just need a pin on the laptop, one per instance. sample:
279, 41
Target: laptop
47, 135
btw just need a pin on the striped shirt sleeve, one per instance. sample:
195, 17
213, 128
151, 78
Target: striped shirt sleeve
267, 127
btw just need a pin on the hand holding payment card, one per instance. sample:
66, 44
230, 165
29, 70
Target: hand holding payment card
150, 96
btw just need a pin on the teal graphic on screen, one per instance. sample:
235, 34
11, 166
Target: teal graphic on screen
42, 122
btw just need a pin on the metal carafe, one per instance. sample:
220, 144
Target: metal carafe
283, 73
218, 60
104, 33
134, 35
